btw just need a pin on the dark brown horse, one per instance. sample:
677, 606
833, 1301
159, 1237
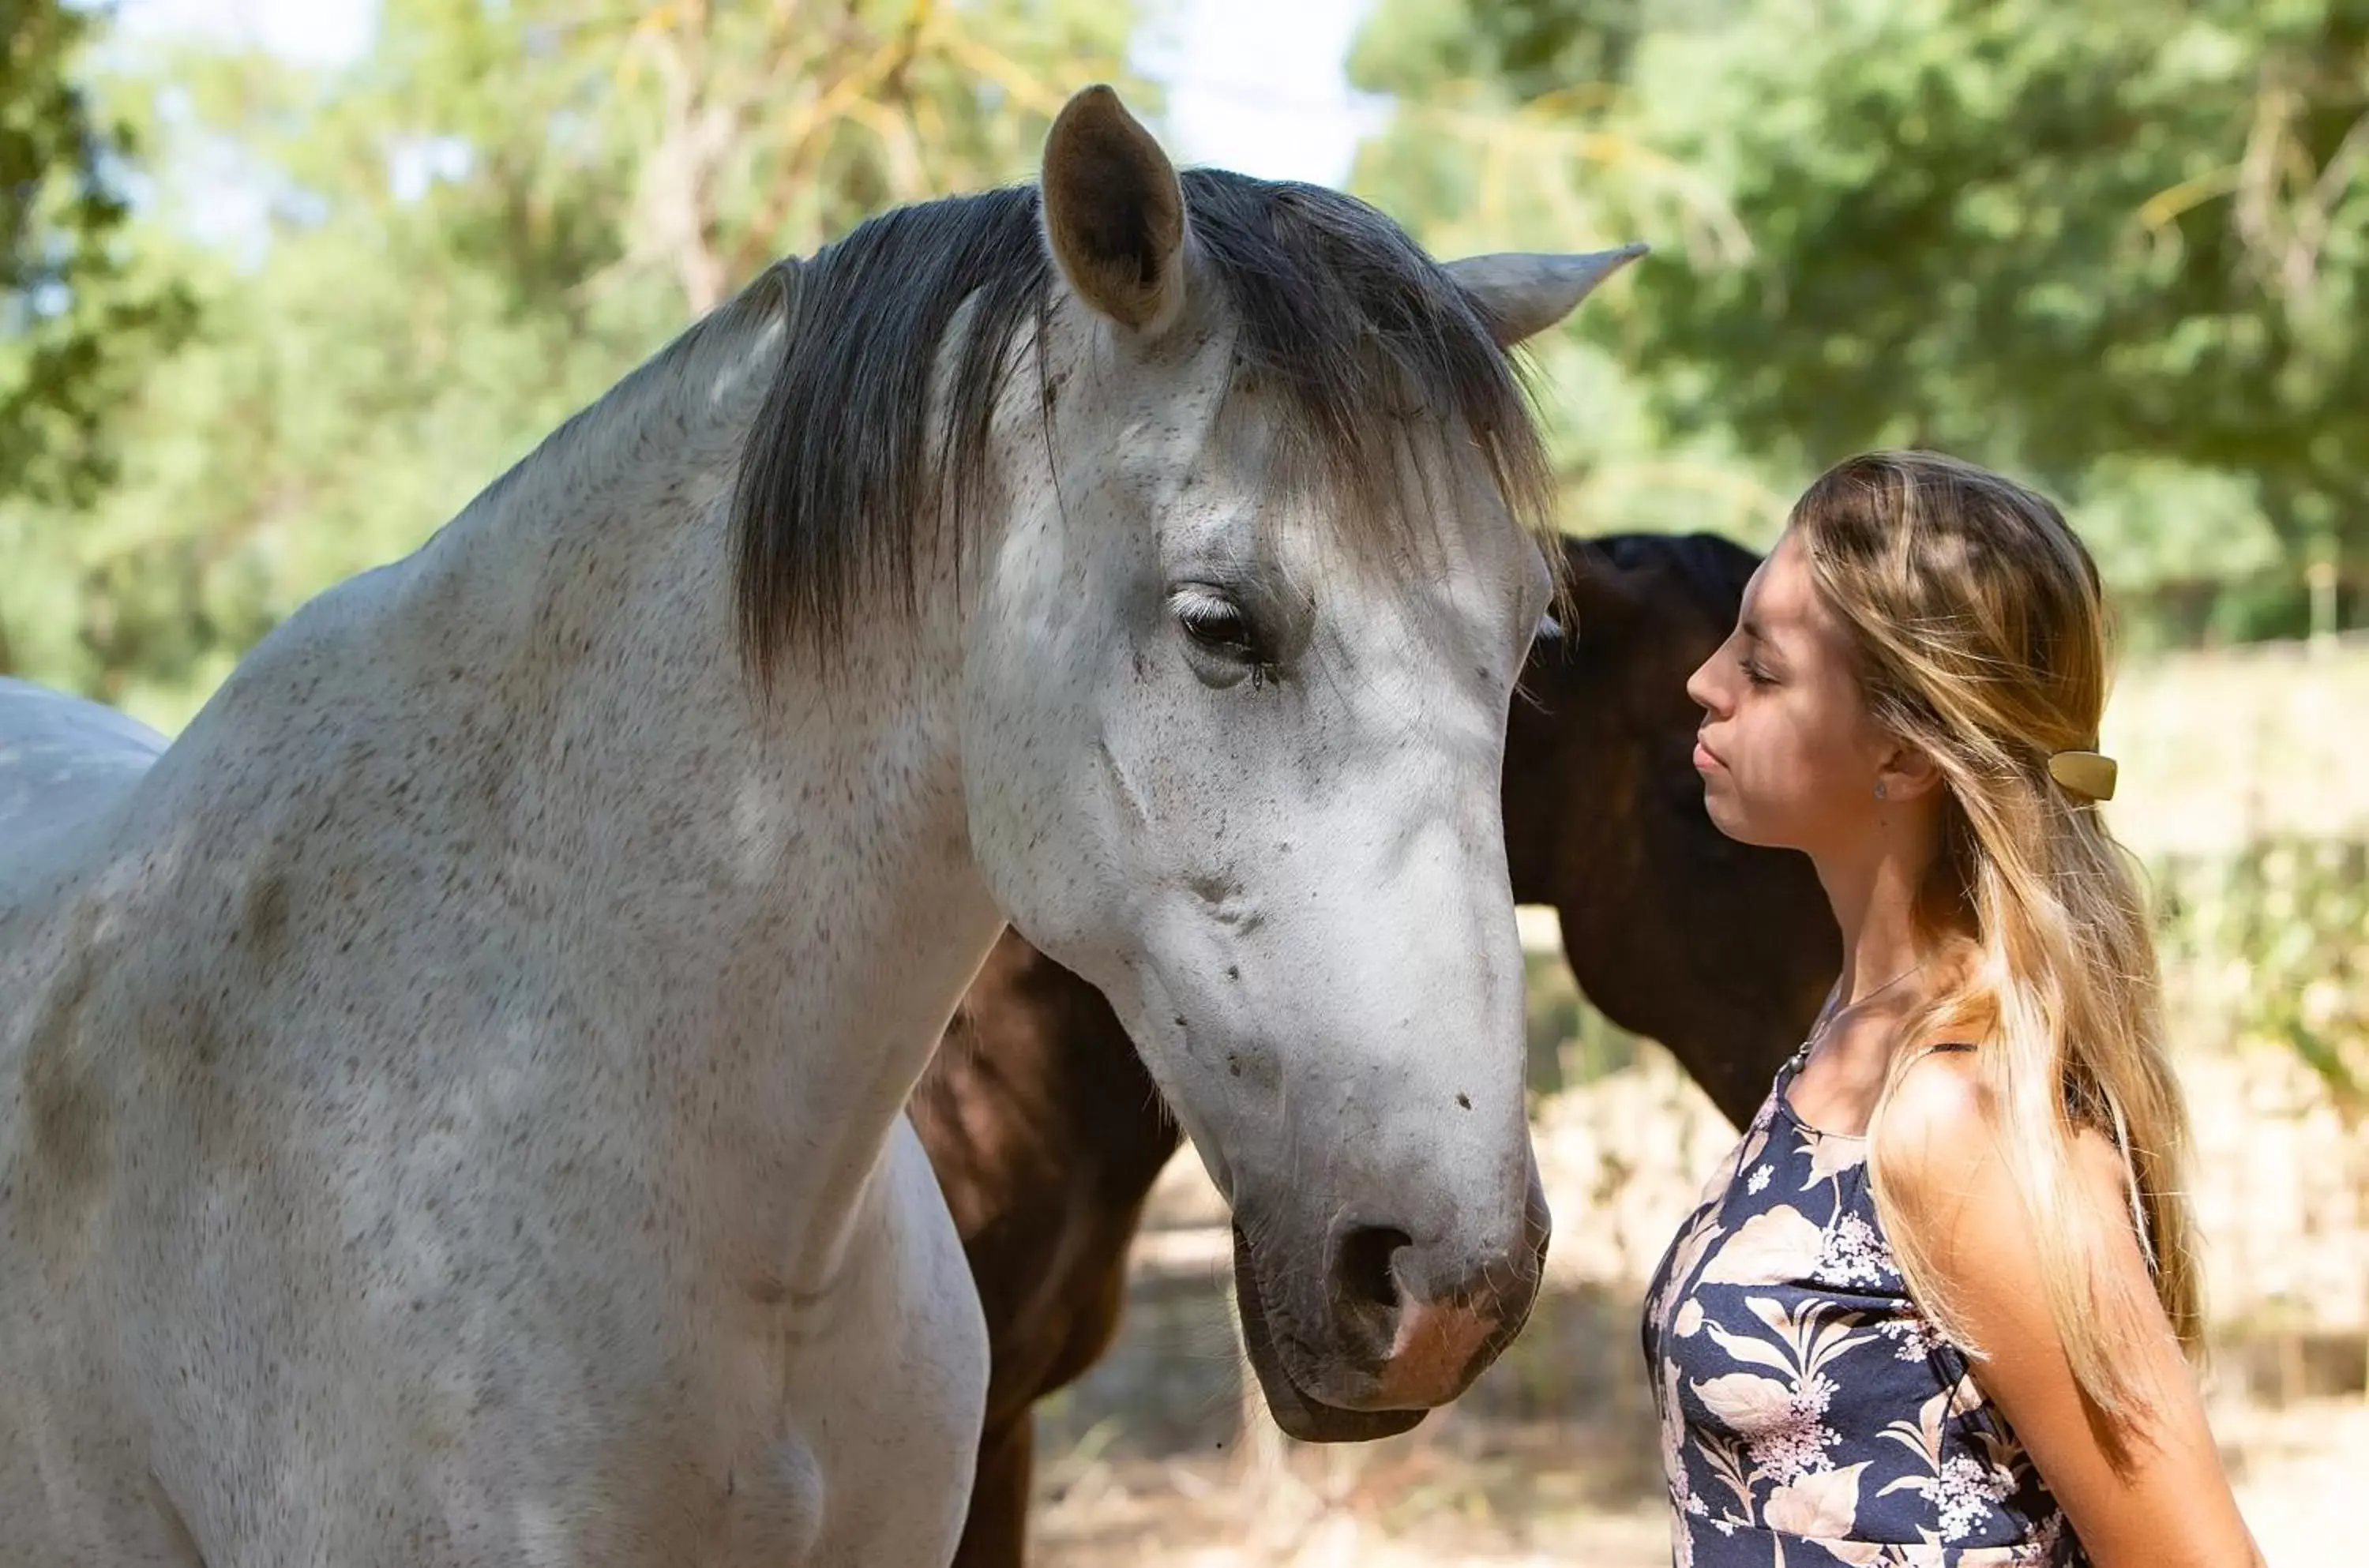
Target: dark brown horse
1047, 1133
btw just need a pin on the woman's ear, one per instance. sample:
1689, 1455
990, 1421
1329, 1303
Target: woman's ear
1906, 773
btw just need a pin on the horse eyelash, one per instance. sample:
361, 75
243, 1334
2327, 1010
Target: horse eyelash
1253, 651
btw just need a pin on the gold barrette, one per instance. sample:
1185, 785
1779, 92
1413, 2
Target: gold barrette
2086, 775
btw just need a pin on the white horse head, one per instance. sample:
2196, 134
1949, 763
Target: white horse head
1235, 654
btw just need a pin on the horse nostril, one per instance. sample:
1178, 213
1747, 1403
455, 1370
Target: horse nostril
1365, 1277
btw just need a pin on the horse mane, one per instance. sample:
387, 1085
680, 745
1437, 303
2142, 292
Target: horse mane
841, 490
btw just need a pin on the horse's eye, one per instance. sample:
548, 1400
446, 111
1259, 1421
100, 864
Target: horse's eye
1217, 625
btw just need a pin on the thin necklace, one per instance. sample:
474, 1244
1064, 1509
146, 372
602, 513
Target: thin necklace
1826, 1021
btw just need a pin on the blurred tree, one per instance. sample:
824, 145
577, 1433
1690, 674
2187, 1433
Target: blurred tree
79, 313
2119, 245
772, 129
463, 237
2043, 232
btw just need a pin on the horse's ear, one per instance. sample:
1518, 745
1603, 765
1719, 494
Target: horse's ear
1606, 602
1524, 292
1114, 212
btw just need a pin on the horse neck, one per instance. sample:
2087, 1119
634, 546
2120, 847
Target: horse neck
1040, 1105
765, 907
1107, 1095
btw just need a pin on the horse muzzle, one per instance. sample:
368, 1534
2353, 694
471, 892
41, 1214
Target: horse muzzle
1389, 1331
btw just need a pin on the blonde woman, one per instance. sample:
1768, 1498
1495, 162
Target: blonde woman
1938, 1307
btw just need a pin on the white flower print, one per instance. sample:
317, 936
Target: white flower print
1918, 1338
1823, 1505
1671, 1280
1812, 1333
1829, 1156
1676, 1284
1770, 1395
1723, 1458
1797, 1445
1674, 1435
1774, 1247
1962, 1488
1747, 1403
1969, 1490
1853, 1254
1747, 1149
1963, 1494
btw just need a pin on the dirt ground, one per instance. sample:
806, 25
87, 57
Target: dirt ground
1497, 1497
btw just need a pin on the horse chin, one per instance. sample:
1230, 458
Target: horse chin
1300, 1414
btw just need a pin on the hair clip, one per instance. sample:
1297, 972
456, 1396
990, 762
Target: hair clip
2085, 775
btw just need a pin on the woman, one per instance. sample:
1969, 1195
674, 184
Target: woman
1938, 1306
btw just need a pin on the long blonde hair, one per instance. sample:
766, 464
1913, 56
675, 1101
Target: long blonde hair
1980, 629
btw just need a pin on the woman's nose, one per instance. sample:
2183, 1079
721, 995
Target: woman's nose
1702, 688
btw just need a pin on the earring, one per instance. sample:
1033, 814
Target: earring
1879, 789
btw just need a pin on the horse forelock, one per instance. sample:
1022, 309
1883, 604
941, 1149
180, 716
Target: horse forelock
845, 489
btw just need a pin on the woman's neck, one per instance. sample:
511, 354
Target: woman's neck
1888, 971
1875, 904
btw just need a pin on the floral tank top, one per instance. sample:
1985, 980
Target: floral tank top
1810, 1413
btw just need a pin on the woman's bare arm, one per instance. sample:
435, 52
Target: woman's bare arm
2143, 1489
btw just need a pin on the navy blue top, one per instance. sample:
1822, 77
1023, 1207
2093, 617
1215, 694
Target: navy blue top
1811, 1414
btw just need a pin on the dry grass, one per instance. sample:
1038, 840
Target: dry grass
1534, 1499
2220, 750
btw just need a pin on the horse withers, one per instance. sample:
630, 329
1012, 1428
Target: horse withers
449, 1098
1046, 1134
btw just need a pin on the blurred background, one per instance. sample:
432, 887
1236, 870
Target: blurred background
284, 282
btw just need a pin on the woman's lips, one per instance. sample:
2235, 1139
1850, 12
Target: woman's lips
1706, 759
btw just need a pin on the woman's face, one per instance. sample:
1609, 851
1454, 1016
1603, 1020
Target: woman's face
1788, 753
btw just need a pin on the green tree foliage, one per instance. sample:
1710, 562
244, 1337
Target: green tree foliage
2055, 233
2119, 245
471, 232
76, 312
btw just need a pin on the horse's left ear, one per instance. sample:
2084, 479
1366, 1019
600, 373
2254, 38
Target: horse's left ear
1524, 292
1605, 602
1114, 212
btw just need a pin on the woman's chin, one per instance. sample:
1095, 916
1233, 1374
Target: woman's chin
1727, 812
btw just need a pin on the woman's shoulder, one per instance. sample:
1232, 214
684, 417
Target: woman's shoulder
1946, 1142
1940, 1110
